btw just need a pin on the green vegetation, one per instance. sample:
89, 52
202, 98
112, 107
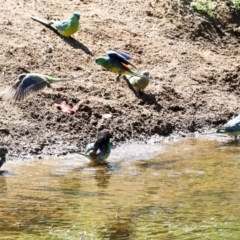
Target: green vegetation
237, 31
235, 4
204, 7
7, 124
6, 68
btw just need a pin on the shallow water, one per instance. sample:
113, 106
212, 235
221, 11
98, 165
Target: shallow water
189, 190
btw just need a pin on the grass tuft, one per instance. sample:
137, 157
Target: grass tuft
235, 5
204, 7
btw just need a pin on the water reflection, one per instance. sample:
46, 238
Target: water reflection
189, 191
102, 176
3, 185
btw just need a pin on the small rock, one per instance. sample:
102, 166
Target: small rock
106, 115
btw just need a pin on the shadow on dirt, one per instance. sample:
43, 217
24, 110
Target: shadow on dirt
71, 41
146, 98
76, 44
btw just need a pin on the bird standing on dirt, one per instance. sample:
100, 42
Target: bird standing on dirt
139, 83
3, 152
28, 83
117, 62
66, 27
100, 150
231, 128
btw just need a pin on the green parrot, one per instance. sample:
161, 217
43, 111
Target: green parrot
28, 83
139, 83
231, 128
117, 62
3, 152
66, 27
100, 150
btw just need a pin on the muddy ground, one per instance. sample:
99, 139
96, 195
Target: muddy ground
194, 64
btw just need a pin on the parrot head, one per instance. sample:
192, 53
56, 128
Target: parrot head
105, 135
100, 61
75, 15
145, 73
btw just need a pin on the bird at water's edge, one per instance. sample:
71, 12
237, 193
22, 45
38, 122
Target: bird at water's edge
100, 150
231, 128
3, 152
66, 27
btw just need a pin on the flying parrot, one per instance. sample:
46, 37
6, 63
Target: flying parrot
3, 152
231, 128
66, 27
28, 83
100, 150
139, 83
117, 62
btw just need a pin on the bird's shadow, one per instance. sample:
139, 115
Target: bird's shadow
69, 40
146, 98
76, 44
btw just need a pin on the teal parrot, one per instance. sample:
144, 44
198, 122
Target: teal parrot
3, 152
28, 83
66, 27
100, 150
139, 83
231, 128
117, 62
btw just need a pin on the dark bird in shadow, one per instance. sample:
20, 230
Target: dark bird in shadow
3, 152
99, 150
231, 128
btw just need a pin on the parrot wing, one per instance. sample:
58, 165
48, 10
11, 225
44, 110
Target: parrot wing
231, 126
3, 152
61, 25
233, 122
118, 59
90, 147
30, 84
122, 54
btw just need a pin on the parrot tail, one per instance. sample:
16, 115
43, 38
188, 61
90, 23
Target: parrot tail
209, 133
71, 79
83, 154
92, 158
44, 22
55, 80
